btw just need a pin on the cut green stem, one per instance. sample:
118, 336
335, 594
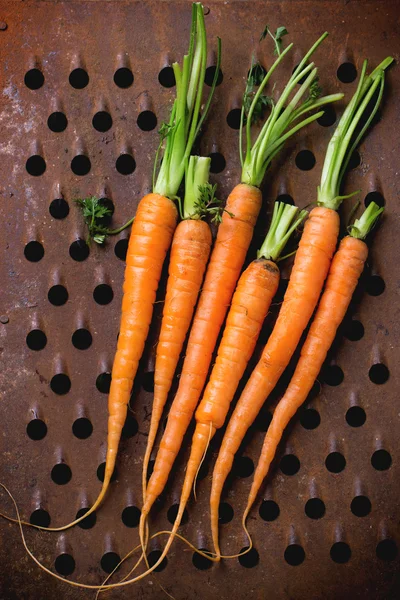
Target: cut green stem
196, 177
362, 226
285, 220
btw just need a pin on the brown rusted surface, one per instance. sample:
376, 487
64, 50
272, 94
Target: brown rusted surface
101, 37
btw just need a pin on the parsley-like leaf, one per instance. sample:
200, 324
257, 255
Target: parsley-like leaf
95, 212
277, 37
255, 76
209, 204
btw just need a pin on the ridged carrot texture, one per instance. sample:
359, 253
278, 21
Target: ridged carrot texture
227, 258
346, 268
151, 237
310, 269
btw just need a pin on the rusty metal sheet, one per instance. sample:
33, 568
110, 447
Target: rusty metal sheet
343, 451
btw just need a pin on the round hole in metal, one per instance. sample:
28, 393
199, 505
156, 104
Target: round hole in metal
381, 460
167, 77
102, 121
263, 420
109, 561
233, 118
210, 74
329, 116
81, 165
379, 373
36, 339
225, 513
340, 552
305, 160
36, 429
34, 79
153, 558
333, 375
101, 470
148, 381
79, 250
34, 251
57, 295
243, 466
269, 510
131, 516
355, 161
375, 285
354, 330
147, 120
123, 77
121, 248
78, 78
360, 506
103, 382
356, 416
374, 197
131, 426
294, 555
386, 550
310, 418
82, 428
40, 517
60, 384
125, 164
335, 462
82, 339
289, 464
35, 165
103, 294
61, 474
57, 122
59, 208
90, 520
250, 559
315, 508
218, 162
201, 562
286, 198
64, 564
347, 72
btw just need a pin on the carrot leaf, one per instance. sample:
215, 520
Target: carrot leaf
95, 214
285, 220
362, 226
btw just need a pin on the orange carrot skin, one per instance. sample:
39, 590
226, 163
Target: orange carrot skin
345, 271
150, 239
310, 269
250, 303
227, 258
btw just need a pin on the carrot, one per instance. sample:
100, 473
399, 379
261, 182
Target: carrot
233, 240
346, 268
310, 269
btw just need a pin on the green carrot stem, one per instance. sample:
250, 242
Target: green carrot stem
285, 219
197, 175
362, 226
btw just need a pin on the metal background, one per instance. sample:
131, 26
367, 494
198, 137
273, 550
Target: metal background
57, 37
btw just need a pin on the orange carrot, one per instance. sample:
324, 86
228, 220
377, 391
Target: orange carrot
346, 268
310, 269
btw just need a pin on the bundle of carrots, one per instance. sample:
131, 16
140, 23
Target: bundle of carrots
242, 299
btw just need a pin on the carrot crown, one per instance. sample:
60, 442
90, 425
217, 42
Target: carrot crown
349, 132
362, 226
284, 118
178, 135
285, 219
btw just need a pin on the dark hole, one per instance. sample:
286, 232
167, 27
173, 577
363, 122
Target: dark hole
131, 426
356, 416
34, 251
150, 468
289, 464
131, 516
347, 72
153, 557
243, 466
379, 373
381, 460
354, 330
315, 508
286, 198
78, 78
109, 561
201, 562
103, 293
225, 514
34, 79
103, 382
333, 375
36, 429
233, 118
59, 208
36, 165
173, 512
40, 517
82, 428
305, 160
64, 564
374, 197
60, 384
102, 121
79, 250
210, 74
218, 162
302, 79
121, 248
90, 520
57, 295
250, 559
203, 472
269, 510
167, 77
386, 550
82, 339
125, 164
335, 462
147, 120
360, 506
80, 165
123, 77
57, 122
36, 339
148, 381
310, 418
294, 555
101, 470
263, 419
329, 116
340, 552
375, 285
355, 160
61, 474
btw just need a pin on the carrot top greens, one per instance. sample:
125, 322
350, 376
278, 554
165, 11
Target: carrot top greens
284, 118
285, 219
362, 226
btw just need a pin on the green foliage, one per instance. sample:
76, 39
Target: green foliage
95, 213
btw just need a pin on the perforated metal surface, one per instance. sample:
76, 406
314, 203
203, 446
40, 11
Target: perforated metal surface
345, 555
